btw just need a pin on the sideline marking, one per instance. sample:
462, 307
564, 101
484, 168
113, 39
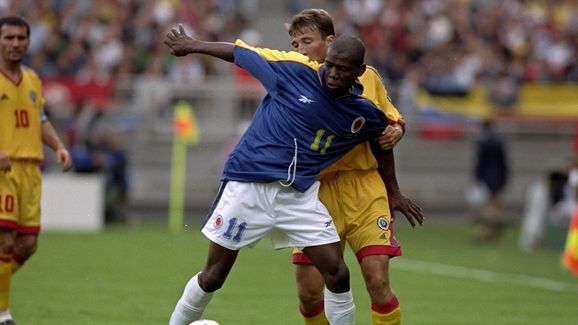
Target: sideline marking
483, 275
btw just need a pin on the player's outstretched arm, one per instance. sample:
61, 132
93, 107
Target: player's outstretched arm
51, 139
397, 201
181, 44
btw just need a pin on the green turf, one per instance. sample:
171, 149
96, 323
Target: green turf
135, 277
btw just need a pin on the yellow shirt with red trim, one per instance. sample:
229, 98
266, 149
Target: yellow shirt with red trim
21, 116
361, 157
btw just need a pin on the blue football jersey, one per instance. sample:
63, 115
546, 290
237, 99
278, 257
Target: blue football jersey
299, 128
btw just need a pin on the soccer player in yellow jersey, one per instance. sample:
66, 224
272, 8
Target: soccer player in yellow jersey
23, 131
354, 193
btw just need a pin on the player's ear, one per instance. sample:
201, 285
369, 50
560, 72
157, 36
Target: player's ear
329, 39
362, 69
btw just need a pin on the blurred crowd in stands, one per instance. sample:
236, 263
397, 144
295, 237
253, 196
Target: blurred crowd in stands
448, 47
445, 46
108, 38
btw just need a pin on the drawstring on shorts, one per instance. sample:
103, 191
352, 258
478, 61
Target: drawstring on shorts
292, 169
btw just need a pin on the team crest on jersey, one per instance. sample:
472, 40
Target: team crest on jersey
32, 96
218, 222
357, 124
382, 223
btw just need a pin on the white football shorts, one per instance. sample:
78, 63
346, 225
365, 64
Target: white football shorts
243, 213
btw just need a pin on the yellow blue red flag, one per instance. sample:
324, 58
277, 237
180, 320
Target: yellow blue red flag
570, 258
186, 127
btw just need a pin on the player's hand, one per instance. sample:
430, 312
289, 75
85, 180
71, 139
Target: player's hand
63, 158
411, 211
5, 163
390, 136
178, 41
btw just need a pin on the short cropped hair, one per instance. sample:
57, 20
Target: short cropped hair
352, 46
15, 21
312, 18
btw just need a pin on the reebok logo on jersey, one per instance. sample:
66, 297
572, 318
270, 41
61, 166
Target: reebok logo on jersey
4, 97
306, 100
328, 223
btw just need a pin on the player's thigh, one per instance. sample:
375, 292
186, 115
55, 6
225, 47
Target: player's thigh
301, 220
9, 199
299, 258
239, 217
327, 194
30, 199
332, 192
360, 204
327, 258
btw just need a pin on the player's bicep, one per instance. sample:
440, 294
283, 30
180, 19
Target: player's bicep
257, 66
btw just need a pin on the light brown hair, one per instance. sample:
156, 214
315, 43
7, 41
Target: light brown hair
311, 18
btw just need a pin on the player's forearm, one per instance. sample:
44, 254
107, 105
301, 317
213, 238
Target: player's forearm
50, 138
221, 50
386, 168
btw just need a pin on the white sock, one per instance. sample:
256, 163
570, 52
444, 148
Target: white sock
192, 304
339, 308
5, 315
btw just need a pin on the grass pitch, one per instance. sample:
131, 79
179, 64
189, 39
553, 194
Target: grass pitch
135, 276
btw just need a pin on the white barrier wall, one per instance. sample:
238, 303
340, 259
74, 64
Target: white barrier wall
72, 202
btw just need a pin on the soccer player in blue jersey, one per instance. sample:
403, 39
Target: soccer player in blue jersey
311, 116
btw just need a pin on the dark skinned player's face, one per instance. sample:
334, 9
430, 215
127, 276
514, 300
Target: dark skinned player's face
341, 72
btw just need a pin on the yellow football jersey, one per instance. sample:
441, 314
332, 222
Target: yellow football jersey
21, 115
361, 157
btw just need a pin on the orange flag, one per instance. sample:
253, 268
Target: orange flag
185, 123
570, 258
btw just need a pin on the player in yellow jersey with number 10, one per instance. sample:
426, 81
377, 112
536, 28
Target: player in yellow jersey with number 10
24, 129
354, 193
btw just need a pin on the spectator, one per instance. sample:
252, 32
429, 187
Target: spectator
548, 201
491, 171
96, 148
113, 161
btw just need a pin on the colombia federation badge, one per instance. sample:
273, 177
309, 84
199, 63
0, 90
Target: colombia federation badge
357, 124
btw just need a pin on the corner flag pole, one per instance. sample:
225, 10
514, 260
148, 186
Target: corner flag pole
185, 133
